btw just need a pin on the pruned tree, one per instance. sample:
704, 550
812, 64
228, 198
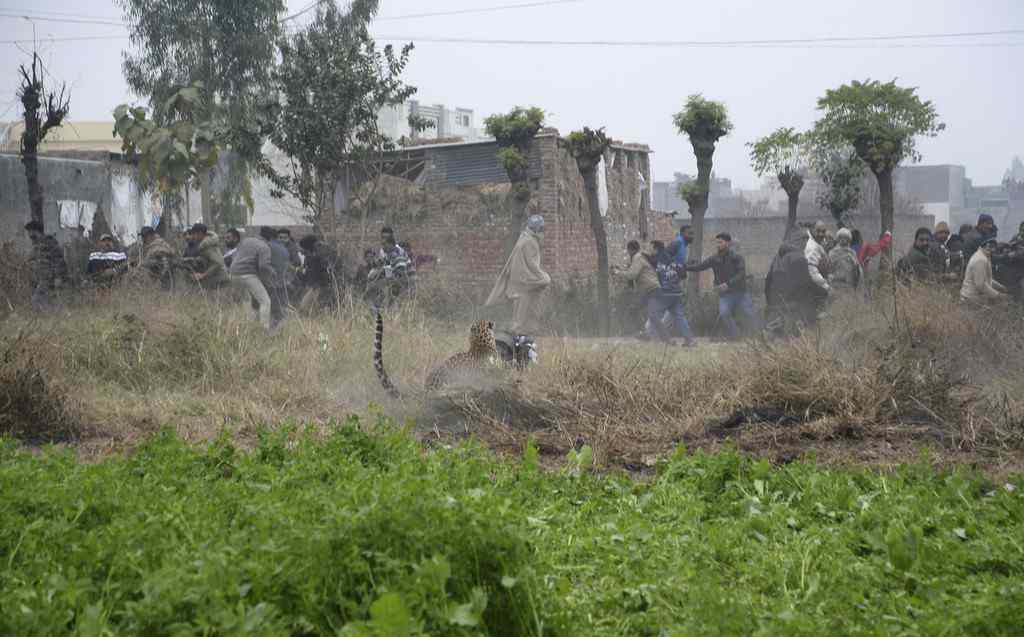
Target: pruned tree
173, 156
783, 154
514, 131
588, 147
704, 122
225, 44
881, 122
43, 111
330, 85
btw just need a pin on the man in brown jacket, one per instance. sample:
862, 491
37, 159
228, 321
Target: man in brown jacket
644, 281
522, 280
214, 273
157, 257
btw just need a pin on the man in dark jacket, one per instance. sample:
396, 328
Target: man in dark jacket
668, 298
106, 265
318, 275
919, 264
980, 234
791, 295
731, 282
277, 286
49, 270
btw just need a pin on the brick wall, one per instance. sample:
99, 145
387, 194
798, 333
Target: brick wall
465, 227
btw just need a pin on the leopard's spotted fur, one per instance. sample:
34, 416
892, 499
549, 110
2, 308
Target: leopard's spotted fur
482, 351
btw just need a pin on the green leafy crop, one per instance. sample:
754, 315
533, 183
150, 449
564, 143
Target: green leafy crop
366, 535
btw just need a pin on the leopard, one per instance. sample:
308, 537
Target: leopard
483, 351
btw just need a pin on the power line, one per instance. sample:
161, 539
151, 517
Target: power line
865, 43
303, 11
76, 38
21, 16
59, 13
525, 5
710, 43
77, 18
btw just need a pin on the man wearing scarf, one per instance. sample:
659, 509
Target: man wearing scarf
522, 280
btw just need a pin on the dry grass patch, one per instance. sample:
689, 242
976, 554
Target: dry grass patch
870, 378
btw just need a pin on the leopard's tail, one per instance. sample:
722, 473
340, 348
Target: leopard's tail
378, 358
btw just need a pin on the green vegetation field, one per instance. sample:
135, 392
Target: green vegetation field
368, 534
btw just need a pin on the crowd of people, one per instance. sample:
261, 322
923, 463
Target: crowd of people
274, 273
811, 267
269, 269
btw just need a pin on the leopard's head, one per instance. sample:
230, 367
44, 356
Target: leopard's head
481, 339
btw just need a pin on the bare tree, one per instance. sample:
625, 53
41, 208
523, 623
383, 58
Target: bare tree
44, 111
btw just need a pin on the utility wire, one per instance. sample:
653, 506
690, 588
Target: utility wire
703, 45
525, 5
709, 43
21, 16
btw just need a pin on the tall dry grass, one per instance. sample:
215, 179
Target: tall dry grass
917, 369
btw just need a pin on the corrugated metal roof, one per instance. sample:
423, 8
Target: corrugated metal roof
470, 164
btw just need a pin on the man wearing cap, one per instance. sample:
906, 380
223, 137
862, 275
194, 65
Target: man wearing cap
157, 257
210, 273
49, 270
845, 272
522, 280
978, 287
817, 256
250, 266
106, 264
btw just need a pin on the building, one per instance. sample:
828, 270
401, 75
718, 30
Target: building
722, 200
939, 189
72, 136
447, 123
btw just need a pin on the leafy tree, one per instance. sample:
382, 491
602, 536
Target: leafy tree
514, 131
587, 147
173, 156
783, 154
881, 122
331, 83
43, 111
225, 44
842, 172
704, 122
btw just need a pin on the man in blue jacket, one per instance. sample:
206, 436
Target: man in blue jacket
678, 246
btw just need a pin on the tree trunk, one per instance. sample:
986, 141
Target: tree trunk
30, 160
206, 198
518, 203
885, 207
695, 251
30, 139
601, 243
792, 182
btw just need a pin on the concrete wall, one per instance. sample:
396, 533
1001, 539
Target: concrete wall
98, 184
62, 180
758, 238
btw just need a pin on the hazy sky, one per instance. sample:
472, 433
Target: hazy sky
633, 91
